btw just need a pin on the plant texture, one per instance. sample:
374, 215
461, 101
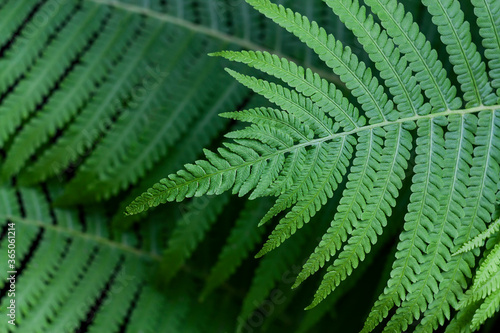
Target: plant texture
316, 138
374, 126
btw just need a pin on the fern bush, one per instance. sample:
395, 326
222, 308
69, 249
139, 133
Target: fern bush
374, 125
318, 138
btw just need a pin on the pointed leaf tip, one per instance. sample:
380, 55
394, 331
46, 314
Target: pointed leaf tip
259, 254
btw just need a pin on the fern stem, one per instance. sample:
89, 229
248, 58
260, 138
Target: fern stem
75, 233
135, 208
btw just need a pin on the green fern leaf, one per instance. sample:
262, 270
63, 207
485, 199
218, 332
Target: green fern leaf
488, 20
402, 85
81, 82
490, 305
149, 316
332, 161
455, 34
325, 95
243, 239
345, 64
93, 118
59, 55
26, 47
273, 269
188, 233
300, 154
417, 50
478, 241
119, 297
17, 11
383, 127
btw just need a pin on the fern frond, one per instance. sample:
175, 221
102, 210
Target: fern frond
97, 115
367, 201
478, 241
382, 51
63, 50
332, 164
66, 102
303, 108
243, 238
324, 94
236, 166
466, 61
116, 305
16, 12
274, 268
488, 20
188, 233
343, 62
423, 60
490, 305
30, 41
422, 210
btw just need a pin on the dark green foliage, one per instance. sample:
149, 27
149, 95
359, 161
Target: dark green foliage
390, 126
